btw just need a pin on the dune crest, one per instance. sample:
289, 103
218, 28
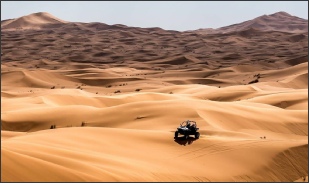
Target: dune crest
280, 21
35, 20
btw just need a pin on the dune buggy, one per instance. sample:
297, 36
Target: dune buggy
187, 128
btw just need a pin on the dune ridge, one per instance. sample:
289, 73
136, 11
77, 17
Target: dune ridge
279, 21
35, 20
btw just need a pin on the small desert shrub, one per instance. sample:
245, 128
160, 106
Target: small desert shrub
53, 87
83, 123
257, 75
138, 89
52, 126
254, 81
109, 86
118, 91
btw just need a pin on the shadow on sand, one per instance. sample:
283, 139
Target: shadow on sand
183, 141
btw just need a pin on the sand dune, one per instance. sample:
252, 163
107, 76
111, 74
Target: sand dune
129, 155
35, 20
280, 21
116, 94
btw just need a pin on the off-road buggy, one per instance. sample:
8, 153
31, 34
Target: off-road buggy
187, 128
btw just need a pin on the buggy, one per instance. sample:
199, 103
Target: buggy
187, 128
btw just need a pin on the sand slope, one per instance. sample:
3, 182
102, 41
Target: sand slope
35, 20
116, 95
109, 154
280, 21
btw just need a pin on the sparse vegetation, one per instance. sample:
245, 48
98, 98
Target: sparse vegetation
257, 75
117, 91
138, 89
254, 81
52, 126
53, 87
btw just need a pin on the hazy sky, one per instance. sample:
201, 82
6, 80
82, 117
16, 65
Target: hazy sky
172, 15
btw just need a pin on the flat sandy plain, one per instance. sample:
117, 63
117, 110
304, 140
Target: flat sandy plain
116, 95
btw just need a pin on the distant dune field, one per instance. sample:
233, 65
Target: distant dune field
98, 102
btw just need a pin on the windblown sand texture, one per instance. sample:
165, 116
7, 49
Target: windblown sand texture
116, 95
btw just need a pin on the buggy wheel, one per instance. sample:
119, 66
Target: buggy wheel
197, 135
176, 134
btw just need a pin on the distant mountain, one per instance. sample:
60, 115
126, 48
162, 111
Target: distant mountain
44, 20
280, 21
46, 37
35, 20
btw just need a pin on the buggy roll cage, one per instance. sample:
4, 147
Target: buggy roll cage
184, 123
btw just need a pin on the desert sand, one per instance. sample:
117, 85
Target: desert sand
116, 95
